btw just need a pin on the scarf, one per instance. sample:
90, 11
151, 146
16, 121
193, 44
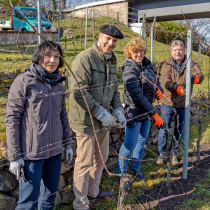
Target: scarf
49, 78
179, 66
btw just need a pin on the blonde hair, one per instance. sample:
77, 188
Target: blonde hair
133, 45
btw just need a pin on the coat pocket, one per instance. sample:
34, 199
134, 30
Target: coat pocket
132, 116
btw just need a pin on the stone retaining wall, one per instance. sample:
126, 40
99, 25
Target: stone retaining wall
12, 37
6, 79
9, 186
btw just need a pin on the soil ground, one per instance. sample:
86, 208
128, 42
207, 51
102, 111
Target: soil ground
181, 189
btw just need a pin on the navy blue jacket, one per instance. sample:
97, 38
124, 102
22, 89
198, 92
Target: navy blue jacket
139, 89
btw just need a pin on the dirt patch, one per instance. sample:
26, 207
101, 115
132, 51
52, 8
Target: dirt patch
181, 189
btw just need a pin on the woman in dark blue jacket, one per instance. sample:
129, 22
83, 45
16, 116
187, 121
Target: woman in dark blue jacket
141, 86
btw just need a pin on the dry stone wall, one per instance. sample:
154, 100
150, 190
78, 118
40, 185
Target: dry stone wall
12, 37
6, 79
9, 185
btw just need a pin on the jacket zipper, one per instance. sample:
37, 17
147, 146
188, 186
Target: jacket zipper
50, 94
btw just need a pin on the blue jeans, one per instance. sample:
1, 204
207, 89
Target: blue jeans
168, 113
41, 176
135, 139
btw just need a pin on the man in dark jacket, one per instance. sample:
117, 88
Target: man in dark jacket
96, 72
173, 80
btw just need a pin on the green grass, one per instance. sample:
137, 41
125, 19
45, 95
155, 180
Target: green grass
202, 195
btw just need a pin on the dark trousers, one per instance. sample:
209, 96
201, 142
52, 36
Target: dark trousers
41, 176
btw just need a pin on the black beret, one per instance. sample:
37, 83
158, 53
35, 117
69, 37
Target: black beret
111, 30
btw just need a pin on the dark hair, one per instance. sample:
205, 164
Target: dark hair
39, 52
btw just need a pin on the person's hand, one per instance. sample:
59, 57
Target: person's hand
158, 120
106, 118
121, 118
68, 153
195, 79
159, 94
15, 167
180, 90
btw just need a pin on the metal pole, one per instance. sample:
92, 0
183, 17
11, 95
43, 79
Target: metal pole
143, 27
117, 18
107, 12
59, 22
139, 24
187, 102
86, 23
39, 21
199, 51
151, 36
152, 29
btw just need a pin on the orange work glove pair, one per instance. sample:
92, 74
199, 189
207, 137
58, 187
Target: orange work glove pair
158, 120
195, 79
159, 94
180, 90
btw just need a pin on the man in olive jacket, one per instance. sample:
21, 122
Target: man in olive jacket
173, 80
96, 73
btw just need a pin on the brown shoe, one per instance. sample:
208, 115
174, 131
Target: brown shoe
174, 160
161, 159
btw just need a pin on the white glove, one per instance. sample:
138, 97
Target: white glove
15, 167
105, 117
68, 153
119, 114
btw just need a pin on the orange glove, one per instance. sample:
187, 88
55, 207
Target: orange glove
180, 90
158, 120
159, 94
195, 79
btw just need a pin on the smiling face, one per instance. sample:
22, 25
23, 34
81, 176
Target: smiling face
50, 61
137, 55
177, 53
107, 43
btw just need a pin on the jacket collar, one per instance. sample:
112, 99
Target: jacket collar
170, 62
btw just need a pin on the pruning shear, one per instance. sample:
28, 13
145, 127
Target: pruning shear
22, 173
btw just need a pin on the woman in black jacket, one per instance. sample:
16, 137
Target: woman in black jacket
141, 86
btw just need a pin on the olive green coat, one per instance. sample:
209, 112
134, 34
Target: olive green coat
169, 73
98, 79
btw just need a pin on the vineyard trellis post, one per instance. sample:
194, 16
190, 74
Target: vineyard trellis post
152, 30
107, 11
151, 36
143, 27
86, 25
59, 21
199, 51
139, 19
117, 19
187, 102
39, 21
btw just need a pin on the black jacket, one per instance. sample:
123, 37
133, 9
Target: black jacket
140, 86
